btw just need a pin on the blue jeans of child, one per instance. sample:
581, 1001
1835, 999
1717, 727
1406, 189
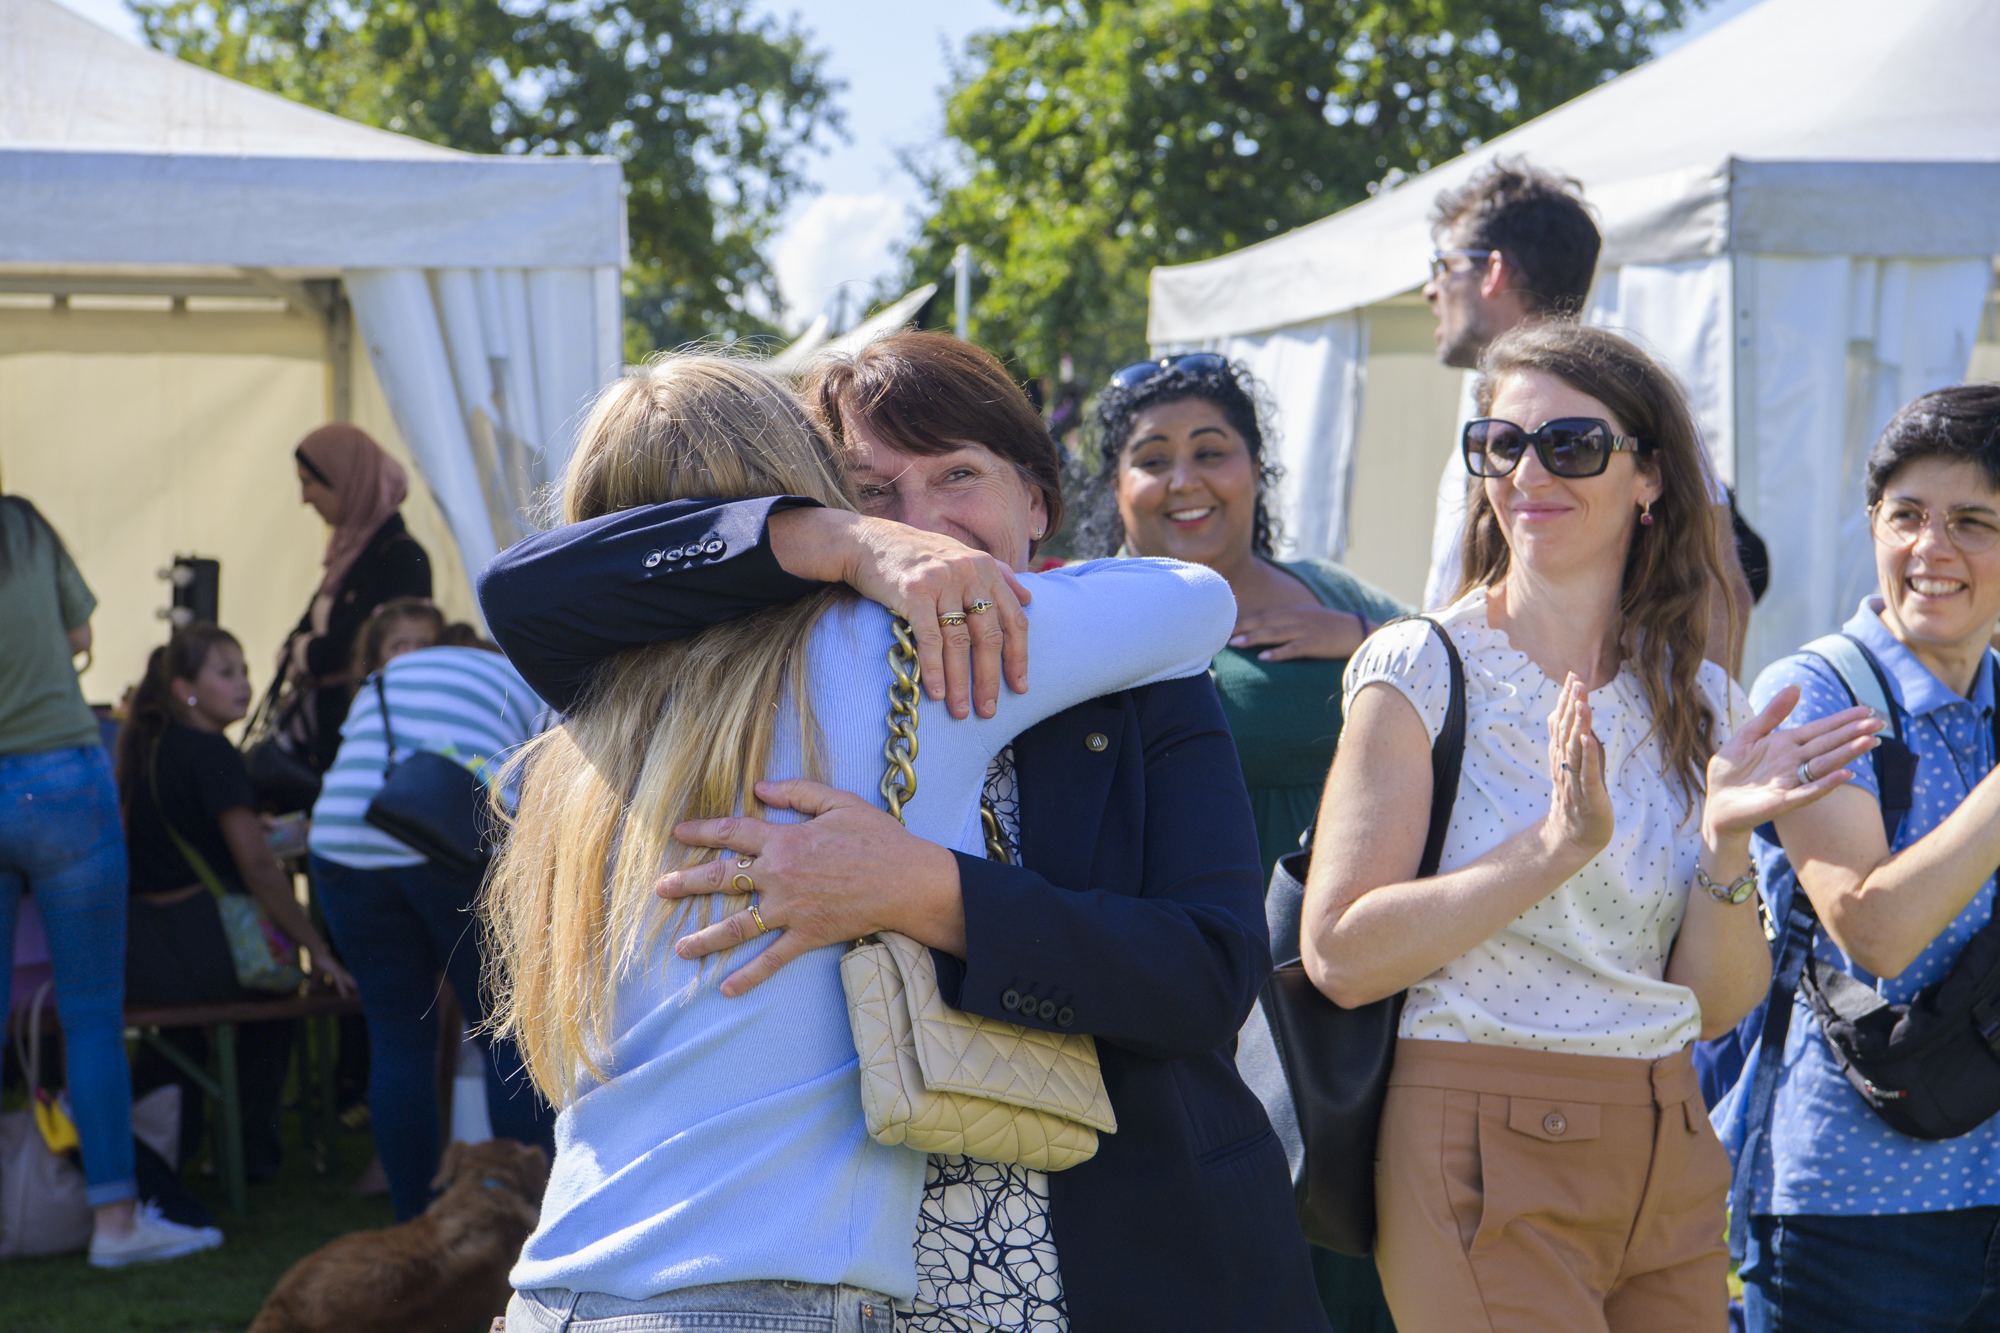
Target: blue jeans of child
60, 839
1912, 1272
397, 929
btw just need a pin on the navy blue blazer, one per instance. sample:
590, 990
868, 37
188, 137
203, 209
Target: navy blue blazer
1137, 916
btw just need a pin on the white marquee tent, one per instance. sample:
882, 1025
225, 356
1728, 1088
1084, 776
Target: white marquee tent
1801, 210
183, 263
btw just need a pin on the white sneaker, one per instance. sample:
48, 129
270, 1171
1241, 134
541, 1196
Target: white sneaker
151, 1239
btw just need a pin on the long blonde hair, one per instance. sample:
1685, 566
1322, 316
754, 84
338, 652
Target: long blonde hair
667, 733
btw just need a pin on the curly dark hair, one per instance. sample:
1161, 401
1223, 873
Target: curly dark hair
1244, 403
1538, 220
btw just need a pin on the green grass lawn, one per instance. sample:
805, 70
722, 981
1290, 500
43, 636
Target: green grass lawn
205, 1293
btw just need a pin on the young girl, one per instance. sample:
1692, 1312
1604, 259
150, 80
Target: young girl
172, 744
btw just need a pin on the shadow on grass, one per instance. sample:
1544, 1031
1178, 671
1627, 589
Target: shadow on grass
215, 1292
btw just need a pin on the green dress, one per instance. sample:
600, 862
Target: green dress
1286, 719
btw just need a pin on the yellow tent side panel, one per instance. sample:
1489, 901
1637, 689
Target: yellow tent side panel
143, 433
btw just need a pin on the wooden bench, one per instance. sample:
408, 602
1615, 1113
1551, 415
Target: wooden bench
316, 1059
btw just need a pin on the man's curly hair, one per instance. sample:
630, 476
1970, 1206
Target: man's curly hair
1244, 403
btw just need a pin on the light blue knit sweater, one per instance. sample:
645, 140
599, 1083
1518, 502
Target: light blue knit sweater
729, 1143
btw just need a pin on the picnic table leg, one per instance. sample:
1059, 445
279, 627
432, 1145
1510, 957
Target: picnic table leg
231, 1109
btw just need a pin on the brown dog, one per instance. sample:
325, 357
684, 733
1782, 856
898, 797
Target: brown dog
442, 1272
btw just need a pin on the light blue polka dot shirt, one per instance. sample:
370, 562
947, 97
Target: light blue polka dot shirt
1826, 1151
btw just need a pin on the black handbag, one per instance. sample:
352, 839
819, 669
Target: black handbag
1322, 1071
433, 805
282, 780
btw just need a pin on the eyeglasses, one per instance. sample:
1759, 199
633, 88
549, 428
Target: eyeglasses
1567, 446
1902, 522
1438, 257
1200, 363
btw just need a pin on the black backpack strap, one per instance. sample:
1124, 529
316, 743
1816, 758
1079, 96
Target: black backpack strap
388, 736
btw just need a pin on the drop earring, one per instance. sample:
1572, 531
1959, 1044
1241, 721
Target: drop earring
1646, 514
1035, 536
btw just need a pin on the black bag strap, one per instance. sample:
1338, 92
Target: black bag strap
1447, 753
388, 736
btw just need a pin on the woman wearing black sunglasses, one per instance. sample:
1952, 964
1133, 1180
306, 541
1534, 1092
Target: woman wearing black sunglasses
1545, 1159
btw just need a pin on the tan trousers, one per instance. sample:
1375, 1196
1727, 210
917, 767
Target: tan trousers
1522, 1190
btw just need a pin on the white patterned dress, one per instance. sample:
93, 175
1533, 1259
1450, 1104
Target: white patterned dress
986, 1259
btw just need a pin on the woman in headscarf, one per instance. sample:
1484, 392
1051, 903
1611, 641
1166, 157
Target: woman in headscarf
370, 559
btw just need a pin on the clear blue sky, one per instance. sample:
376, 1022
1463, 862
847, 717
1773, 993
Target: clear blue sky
893, 57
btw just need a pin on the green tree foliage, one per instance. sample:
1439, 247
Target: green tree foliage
708, 107
1105, 137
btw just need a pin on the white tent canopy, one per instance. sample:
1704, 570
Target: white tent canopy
1802, 199
485, 291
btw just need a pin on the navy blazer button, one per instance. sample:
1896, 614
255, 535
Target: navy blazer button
1096, 741
714, 547
653, 559
1011, 1001
674, 554
1047, 1011
1065, 1016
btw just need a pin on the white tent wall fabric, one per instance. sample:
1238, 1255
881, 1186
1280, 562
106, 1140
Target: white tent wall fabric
1801, 207
193, 273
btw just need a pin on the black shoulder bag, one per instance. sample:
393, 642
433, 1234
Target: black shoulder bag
1322, 1071
433, 805
1929, 1068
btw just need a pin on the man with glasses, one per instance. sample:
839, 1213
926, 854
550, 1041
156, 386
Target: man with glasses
1516, 244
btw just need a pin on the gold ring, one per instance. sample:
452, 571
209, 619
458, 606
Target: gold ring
951, 618
744, 884
742, 863
758, 917
980, 607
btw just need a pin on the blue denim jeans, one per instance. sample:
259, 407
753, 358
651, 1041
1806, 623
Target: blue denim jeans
60, 839
725, 1307
1912, 1272
396, 929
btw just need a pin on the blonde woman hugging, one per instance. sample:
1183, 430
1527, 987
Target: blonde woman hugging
712, 1164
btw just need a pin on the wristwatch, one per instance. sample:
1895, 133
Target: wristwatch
1735, 893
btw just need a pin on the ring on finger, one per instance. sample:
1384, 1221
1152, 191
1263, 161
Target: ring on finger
758, 917
951, 617
743, 883
980, 607
1806, 773
742, 863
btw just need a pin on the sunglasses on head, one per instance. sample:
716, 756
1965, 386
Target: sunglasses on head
1567, 446
1199, 363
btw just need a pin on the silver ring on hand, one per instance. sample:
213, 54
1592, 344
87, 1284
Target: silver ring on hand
1806, 774
742, 863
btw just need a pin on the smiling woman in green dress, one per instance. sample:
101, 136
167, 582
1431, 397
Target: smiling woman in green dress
1184, 453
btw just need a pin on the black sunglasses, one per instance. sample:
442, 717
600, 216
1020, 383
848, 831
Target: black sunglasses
1567, 446
1200, 363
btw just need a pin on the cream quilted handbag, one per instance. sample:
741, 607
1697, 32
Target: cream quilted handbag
934, 1079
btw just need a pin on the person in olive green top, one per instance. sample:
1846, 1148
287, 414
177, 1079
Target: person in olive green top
60, 841
1183, 474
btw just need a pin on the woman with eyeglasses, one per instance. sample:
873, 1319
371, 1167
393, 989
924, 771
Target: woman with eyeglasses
1852, 1223
1544, 1159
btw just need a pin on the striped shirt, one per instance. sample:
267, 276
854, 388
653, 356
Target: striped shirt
462, 703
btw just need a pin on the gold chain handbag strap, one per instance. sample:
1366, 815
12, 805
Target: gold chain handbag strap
899, 780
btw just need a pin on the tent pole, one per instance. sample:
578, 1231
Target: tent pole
339, 355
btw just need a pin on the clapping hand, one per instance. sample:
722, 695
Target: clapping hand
1764, 773
1579, 806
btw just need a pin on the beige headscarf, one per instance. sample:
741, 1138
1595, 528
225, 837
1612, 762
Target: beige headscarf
371, 486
